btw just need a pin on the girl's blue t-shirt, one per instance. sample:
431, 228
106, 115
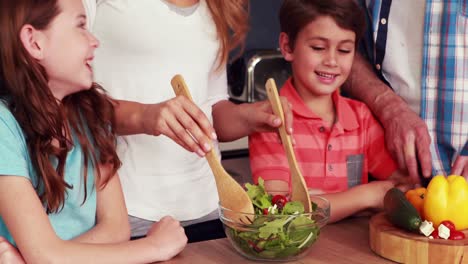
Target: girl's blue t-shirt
76, 217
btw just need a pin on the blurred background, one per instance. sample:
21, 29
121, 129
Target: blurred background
248, 73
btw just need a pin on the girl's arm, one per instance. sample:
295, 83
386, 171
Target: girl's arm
29, 225
112, 224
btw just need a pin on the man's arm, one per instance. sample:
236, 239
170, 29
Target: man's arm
405, 132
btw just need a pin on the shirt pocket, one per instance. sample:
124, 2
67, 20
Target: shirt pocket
354, 166
463, 8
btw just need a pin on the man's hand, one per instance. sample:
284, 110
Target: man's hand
406, 134
407, 138
460, 166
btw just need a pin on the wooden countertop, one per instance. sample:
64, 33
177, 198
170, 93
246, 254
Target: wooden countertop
343, 242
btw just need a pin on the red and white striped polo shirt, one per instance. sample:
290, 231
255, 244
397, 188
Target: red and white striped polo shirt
331, 160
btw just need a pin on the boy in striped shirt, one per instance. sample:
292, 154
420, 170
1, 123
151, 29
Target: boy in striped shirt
338, 141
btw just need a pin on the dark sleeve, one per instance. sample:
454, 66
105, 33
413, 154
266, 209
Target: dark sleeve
464, 151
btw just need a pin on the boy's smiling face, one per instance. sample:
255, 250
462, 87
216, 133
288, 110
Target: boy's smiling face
321, 58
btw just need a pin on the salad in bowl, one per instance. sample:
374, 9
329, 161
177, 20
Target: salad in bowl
279, 230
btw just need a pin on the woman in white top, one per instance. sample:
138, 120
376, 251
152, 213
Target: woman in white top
144, 44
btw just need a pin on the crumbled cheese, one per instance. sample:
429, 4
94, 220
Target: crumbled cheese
272, 209
444, 232
289, 219
426, 228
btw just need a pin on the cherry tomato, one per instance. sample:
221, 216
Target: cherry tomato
279, 200
265, 211
456, 235
449, 224
435, 234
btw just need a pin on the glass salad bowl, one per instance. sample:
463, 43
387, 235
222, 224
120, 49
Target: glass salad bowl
275, 233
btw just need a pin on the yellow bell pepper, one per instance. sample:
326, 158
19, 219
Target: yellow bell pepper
447, 199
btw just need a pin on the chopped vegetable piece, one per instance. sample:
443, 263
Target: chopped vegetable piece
426, 228
456, 235
444, 232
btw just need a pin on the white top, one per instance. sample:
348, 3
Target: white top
403, 55
143, 45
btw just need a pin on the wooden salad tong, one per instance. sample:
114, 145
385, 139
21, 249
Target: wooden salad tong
299, 191
231, 195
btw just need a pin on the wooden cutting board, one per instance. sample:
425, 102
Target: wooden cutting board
401, 246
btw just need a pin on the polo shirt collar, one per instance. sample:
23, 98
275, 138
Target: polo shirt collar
347, 118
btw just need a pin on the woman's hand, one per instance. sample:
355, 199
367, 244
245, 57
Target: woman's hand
178, 118
182, 121
168, 237
9, 254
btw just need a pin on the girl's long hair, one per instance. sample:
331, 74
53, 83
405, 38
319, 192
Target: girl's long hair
231, 20
89, 114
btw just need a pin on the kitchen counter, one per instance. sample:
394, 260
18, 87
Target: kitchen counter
343, 242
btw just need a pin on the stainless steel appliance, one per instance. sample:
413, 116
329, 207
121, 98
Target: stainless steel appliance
248, 74
246, 78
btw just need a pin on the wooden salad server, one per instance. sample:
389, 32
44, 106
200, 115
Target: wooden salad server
299, 191
231, 194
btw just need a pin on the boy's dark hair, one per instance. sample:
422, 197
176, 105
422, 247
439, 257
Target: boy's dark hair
296, 14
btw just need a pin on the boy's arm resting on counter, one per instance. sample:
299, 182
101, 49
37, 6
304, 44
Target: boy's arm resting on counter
275, 187
28, 223
347, 203
357, 199
406, 133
